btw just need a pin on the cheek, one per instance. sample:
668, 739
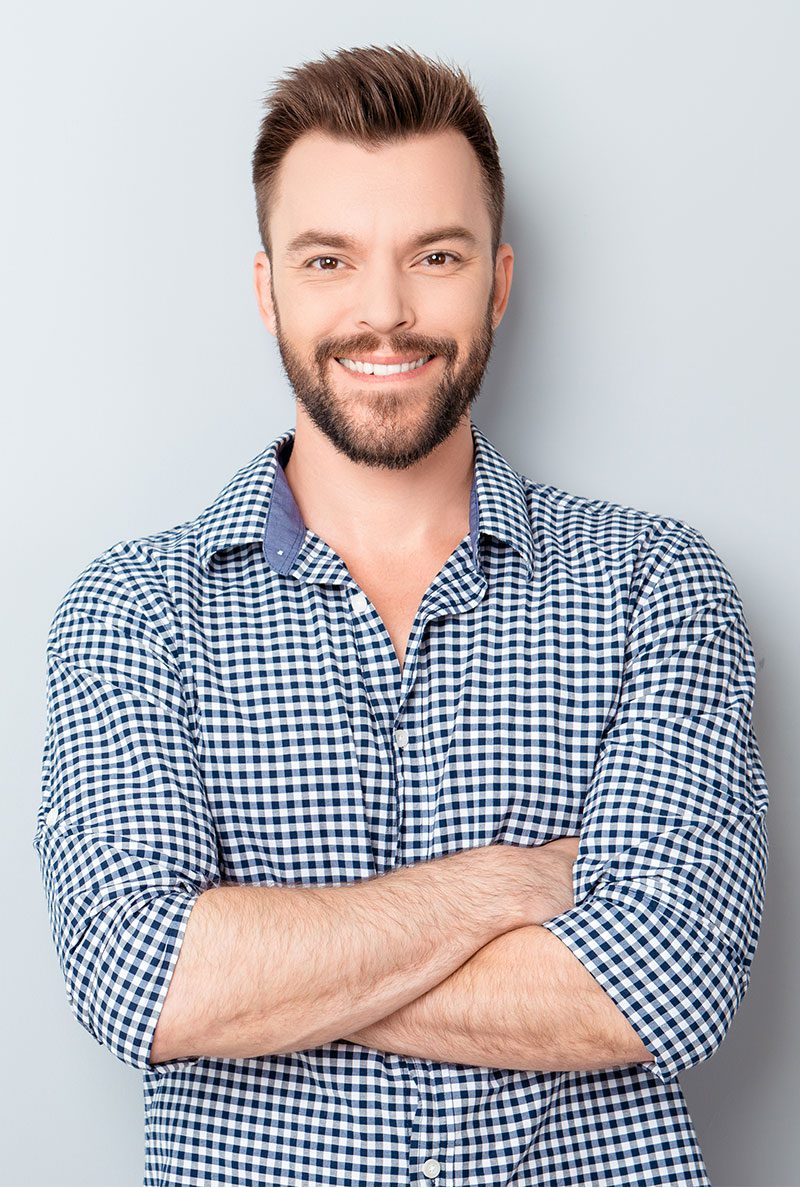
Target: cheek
304, 334
452, 309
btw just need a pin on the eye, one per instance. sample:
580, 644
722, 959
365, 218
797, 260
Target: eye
432, 255
334, 258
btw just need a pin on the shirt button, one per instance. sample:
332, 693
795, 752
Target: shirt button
359, 603
401, 737
431, 1168
51, 817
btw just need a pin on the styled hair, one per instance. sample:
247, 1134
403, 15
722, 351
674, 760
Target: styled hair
373, 95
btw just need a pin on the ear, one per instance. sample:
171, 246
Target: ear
503, 271
262, 273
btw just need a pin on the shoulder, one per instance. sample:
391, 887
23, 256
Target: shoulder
164, 576
650, 546
131, 586
573, 520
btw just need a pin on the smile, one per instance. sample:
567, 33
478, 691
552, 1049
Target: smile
386, 369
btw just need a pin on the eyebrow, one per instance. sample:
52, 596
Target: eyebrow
315, 238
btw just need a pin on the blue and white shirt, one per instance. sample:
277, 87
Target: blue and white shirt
226, 706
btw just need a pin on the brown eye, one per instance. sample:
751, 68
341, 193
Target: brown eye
440, 256
325, 259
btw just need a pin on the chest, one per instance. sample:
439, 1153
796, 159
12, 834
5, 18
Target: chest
396, 587
320, 765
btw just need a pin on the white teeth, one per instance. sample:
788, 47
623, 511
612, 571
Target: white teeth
383, 368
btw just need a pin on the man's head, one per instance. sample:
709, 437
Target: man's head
380, 203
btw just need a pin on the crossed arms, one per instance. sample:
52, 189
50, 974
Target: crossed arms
638, 952
440, 960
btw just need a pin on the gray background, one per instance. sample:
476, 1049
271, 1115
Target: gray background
649, 356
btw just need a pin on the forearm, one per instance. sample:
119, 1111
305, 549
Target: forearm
270, 969
523, 1001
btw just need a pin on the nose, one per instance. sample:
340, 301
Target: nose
383, 301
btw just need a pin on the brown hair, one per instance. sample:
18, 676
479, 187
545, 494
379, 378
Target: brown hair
373, 95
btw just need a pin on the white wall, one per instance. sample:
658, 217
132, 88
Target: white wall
649, 356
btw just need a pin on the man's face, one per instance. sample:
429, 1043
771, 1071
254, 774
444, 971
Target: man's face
378, 276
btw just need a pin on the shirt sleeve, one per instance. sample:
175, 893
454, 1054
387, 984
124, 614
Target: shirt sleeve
123, 834
670, 872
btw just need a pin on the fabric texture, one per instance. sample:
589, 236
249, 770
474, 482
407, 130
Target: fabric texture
220, 710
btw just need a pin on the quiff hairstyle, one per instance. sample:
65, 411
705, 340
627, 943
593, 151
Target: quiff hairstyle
373, 96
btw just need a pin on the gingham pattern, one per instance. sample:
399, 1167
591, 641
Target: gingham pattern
219, 710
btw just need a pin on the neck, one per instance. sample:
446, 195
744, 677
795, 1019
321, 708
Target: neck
369, 511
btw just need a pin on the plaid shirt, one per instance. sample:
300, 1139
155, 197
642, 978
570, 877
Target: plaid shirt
226, 706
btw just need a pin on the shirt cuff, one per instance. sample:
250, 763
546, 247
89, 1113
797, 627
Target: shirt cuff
169, 947
118, 990
669, 971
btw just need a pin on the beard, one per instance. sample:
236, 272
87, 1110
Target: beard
386, 425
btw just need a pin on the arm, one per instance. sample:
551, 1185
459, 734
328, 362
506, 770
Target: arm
341, 958
670, 875
670, 871
124, 835
269, 969
523, 1001
148, 939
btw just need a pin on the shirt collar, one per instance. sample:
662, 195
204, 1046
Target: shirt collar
257, 507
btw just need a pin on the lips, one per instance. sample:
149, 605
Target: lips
392, 359
401, 370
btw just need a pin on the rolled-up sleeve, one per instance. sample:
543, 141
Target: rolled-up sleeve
670, 872
123, 834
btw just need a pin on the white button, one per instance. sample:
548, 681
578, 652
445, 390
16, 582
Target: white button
401, 737
51, 817
431, 1168
359, 603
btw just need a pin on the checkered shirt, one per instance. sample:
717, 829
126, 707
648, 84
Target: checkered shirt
222, 708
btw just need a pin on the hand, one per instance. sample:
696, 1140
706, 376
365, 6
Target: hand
537, 879
560, 856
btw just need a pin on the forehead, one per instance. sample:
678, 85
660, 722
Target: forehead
423, 181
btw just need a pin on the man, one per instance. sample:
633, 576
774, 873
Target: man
403, 818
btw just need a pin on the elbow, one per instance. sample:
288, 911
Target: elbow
175, 1037
164, 1048
634, 1051
620, 1042
119, 980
